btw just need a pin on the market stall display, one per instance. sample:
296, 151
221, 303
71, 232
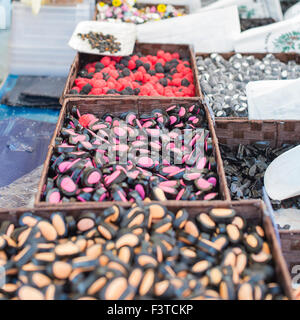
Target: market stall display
153, 184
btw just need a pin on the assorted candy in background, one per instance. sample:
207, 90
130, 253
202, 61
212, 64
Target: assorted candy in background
247, 24
130, 11
131, 157
163, 74
286, 4
144, 252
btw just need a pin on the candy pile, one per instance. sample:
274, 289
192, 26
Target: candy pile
224, 82
245, 168
286, 4
129, 158
143, 252
247, 24
101, 42
162, 75
130, 11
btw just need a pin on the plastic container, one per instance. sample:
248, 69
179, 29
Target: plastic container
39, 69
39, 43
5, 14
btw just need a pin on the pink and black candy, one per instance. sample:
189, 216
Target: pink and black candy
86, 166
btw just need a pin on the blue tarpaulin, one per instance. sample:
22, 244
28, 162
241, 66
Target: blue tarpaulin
25, 134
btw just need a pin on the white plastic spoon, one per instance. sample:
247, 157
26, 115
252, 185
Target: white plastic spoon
282, 177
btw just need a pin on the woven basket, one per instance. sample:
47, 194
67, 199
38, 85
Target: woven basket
252, 211
234, 132
82, 59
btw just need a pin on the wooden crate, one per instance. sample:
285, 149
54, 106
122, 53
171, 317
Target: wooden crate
117, 106
252, 211
82, 59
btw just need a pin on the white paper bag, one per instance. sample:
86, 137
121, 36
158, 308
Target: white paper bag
283, 36
252, 8
125, 33
2, 18
292, 11
274, 100
209, 31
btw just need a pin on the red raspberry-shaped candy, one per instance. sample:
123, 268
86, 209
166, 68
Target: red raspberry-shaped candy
98, 76
91, 70
111, 85
154, 79
160, 53
114, 73
131, 65
167, 56
112, 80
160, 75
105, 89
177, 76
180, 67
96, 91
142, 70
76, 88
159, 88
144, 91
148, 85
135, 57
176, 82
175, 55
147, 77
144, 60
80, 82
99, 83
118, 86
89, 65
139, 76
154, 60
186, 71
86, 119
162, 61
105, 61
153, 93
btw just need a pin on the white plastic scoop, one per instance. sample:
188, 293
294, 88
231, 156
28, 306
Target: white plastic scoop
282, 177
